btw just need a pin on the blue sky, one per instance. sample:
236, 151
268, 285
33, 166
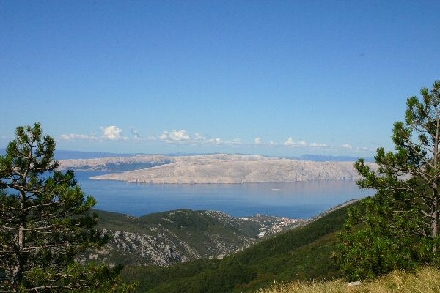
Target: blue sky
282, 78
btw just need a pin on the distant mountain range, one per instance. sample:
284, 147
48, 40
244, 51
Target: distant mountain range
71, 155
66, 155
325, 158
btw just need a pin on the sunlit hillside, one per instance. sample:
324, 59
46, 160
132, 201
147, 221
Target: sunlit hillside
426, 280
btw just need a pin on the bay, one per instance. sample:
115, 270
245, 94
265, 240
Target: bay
292, 200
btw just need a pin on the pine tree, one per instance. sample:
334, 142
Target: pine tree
45, 222
398, 228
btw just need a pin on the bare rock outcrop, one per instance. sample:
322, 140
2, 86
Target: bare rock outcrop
236, 169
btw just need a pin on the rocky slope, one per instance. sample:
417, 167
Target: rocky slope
220, 169
182, 235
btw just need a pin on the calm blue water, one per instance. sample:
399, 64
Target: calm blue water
294, 200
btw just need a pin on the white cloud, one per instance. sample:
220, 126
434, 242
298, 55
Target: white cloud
74, 136
108, 133
236, 141
135, 133
365, 149
165, 136
175, 136
216, 140
182, 137
111, 132
199, 137
314, 144
291, 142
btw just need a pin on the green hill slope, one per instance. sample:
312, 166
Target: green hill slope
299, 254
171, 237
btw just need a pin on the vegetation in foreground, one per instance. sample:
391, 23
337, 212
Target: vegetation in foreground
399, 227
426, 280
45, 223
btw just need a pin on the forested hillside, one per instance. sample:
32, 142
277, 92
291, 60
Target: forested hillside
177, 236
303, 253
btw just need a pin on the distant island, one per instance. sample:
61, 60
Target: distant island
212, 169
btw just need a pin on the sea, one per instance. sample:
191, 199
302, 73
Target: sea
298, 200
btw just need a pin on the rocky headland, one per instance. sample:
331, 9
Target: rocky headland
216, 169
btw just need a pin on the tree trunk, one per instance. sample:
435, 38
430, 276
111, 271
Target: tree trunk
18, 271
435, 195
435, 219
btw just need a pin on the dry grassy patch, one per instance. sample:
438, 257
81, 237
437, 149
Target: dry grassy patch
426, 280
